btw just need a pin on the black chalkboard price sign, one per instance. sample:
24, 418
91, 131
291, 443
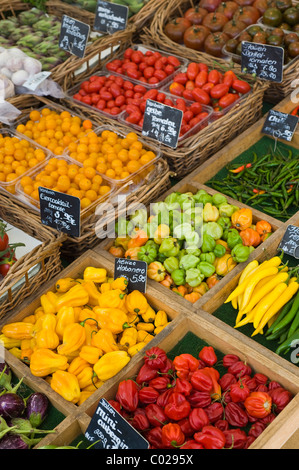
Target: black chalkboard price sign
263, 61
110, 17
162, 123
109, 430
134, 270
73, 36
290, 241
280, 125
60, 211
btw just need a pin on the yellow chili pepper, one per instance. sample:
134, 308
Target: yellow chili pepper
161, 318
98, 275
66, 385
110, 364
90, 353
77, 296
44, 362
104, 340
136, 348
74, 337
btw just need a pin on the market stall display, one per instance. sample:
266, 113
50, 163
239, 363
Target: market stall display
177, 306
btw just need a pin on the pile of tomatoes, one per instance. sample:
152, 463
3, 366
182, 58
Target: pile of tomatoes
207, 26
209, 87
149, 67
7, 251
185, 403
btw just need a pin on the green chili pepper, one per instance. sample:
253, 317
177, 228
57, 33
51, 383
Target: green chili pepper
290, 315
286, 308
286, 345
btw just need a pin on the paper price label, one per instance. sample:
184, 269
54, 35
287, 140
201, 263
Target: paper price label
34, 82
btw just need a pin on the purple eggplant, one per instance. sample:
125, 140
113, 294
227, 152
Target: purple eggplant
5, 376
14, 441
11, 405
36, 408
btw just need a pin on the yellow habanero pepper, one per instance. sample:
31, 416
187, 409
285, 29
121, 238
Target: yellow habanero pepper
77, 365
93, 292
120, 283
136, 302
16, 352
10, 342
160, 328
66, 385
84, 395
77, 296
104, 340
149, 315
145, 326
74, 337
65, 316
129, 337
47, 337
98, 275
113, 298
110, 364
96, 383
133, 319
85, 377
29, 319
63, 285
44, 362
144, 336
161, 318
27, 348
112, 319
105, 287
18, 330
88, 317
49, 302
136, 348
91, 354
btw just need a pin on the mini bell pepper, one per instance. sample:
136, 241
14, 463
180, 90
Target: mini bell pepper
97, 275
110, 364
66, 385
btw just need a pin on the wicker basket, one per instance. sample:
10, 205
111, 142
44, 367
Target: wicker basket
155, 35
33, 269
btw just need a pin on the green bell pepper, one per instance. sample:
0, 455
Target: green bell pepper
218, 199
178, 277
188, 261
206, 269
240, 253
169, 247
233, 238
194, 277
147, 253
213, 229
219, 250
171, 264
208, 257
208, 243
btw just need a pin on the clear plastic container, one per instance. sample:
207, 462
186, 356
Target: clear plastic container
76, 88
134, 180
198, 127
237, 58
10, 186
34, 204
142, 48
52, 107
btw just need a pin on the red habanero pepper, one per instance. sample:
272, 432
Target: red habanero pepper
273, 384
249, 381
207, 354
256, 429
239, 369
239, 392
163, 398
172, 435
127, 394
140, 422
198, 418
221, 424
258, 404
229, 359
186, 427
155, 414
235, 438
154, 437
191, 444
199, 399
184, 364
168, 368
280, 398
249, 441
214, 374
201, 382
261, 388
155, 358
115, 404
182, 386
214, 412
260, 378
235, 415
160, 383
268, 419
226, 381
146, 374
177, 407
210, 437
147, 395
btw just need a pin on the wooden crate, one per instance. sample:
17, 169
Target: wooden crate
34, 268
75, 270
185, 186
278, 434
